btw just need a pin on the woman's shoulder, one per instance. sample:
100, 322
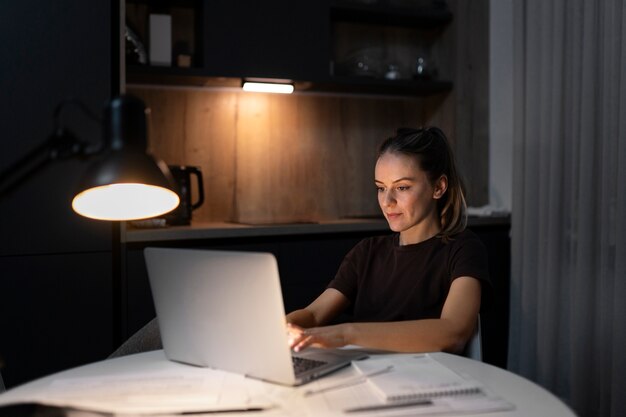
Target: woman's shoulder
368, 247
466, 240
464, 236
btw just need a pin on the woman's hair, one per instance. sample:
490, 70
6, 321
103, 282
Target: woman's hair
432, 151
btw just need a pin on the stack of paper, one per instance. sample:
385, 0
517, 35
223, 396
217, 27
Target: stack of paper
415, 377
423, 382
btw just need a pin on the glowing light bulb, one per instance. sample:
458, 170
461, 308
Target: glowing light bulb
125, 202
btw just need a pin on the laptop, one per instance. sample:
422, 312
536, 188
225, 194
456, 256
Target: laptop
224, 310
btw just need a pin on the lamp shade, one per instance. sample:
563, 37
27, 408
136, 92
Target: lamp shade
126, 183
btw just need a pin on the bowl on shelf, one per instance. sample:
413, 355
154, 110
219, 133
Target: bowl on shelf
366, 62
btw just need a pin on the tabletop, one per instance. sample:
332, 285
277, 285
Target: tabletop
150, 384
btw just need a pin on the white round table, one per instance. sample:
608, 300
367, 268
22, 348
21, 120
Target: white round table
528, 398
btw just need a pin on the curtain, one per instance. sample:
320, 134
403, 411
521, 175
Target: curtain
568, 270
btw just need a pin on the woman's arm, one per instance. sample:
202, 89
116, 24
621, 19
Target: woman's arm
448, 333
325, 307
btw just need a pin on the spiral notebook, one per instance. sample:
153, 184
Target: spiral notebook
415, 377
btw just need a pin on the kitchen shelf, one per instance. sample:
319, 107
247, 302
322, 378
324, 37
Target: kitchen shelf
338, 84
424, 20
176, 76
224, 230
380, 86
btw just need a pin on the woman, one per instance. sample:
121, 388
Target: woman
420, 288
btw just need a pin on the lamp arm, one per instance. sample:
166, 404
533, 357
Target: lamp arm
60, 130
24, 168
61, 144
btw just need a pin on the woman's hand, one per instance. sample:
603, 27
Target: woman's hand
326, 336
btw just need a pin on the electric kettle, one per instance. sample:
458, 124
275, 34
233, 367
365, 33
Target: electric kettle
183, 176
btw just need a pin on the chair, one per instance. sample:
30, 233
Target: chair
2, 387
145, 339
474, 348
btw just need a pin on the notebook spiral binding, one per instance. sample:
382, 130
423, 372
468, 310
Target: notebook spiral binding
435, 394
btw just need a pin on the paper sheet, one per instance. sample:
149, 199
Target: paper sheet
159, 392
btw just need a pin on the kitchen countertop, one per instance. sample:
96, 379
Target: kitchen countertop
237, 230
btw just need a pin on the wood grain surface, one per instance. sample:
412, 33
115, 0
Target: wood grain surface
270, 158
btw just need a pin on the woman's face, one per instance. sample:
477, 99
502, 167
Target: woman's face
407, 197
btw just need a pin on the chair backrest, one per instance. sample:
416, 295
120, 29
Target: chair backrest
474, 348
145, 339
2, 388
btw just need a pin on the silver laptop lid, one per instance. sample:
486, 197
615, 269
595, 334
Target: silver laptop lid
221, 309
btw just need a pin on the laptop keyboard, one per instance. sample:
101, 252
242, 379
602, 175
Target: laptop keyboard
303, 364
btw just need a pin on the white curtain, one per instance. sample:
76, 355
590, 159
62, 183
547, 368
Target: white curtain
568, 274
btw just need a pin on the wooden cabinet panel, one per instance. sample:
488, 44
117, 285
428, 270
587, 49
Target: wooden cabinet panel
270, 158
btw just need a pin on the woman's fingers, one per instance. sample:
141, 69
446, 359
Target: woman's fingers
304, 342
295, 336
329, 336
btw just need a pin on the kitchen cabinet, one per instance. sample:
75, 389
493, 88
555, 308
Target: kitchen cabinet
268, 39
304, 41
414, 14
185, 31
257, 39
390, 47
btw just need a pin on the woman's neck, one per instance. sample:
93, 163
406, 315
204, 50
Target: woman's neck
419, 233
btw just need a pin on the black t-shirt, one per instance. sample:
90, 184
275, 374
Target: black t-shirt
388, 282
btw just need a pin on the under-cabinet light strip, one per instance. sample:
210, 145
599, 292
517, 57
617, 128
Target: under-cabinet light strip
268, 87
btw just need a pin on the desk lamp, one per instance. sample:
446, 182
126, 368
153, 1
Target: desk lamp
126, 183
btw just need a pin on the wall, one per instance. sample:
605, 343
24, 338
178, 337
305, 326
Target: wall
470, 97
55, 267
501, 104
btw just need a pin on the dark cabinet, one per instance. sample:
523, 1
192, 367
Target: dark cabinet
259, 39
393, 47
317, 44
307, 263
495, 320
268, 39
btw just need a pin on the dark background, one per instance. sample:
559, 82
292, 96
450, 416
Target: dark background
55, 266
